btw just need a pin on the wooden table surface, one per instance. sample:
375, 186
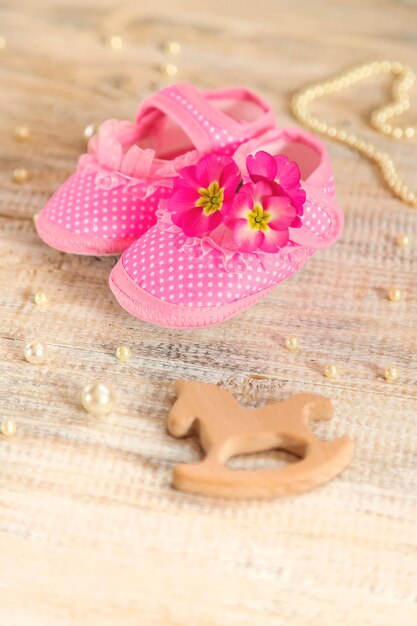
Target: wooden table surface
91, 532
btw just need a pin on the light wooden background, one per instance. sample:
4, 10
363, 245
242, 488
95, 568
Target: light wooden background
91, 533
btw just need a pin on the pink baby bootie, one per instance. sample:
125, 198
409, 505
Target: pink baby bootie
230, 231
111, 199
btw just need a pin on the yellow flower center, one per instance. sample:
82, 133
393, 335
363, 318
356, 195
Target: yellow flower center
258, 218
211, 199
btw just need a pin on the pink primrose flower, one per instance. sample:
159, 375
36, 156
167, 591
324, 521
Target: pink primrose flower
259, 218
203, 194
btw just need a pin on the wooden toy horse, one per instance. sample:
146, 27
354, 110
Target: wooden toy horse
226, 429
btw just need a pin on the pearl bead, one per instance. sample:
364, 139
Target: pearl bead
21, 133
98, 398
20, 175
40, 298
90, 130
172, 47
402, 240
35, 352
330, 371
8, 427
123, 353
170, 69
292, 343
391, 374
114, 41
394, 294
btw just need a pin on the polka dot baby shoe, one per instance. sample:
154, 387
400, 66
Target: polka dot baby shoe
112, 197
231, 230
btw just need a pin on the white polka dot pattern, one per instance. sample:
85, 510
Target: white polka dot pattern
316, 219
328, 188
83, 208
222, 140
157, 264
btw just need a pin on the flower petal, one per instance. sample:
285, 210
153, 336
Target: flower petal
226, 206
298, 198
262, 165
274, 240
194, 222
183, 199
244, 237
187, 177
242, 203
230, 178
281, 210
210, 168
287, 173
262, 190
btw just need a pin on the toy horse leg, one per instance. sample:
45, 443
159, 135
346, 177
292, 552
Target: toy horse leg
321, 463
189, 477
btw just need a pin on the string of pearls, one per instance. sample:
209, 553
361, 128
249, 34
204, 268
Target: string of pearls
404, 79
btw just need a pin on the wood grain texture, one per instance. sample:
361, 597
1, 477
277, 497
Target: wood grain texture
90, 530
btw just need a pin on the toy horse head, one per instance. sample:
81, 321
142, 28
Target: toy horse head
184, 412
192, 398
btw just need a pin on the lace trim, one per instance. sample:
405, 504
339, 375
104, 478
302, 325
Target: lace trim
234, 261
118, 161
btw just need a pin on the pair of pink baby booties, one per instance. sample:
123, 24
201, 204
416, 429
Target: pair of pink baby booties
211, 204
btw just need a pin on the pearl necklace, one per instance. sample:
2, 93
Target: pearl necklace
404, 78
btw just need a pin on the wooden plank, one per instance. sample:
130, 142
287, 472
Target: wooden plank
90, 530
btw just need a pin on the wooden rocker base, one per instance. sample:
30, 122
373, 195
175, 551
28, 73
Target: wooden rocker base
226, 429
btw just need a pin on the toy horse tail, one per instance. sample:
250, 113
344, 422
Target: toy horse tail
320, 465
